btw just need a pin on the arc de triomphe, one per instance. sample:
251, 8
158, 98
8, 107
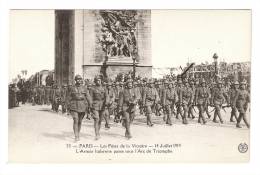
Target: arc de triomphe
90, 42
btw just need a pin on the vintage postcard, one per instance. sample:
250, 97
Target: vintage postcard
138, 86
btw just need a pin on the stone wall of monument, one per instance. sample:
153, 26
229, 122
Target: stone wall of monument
64, 46
112, 71
144, 38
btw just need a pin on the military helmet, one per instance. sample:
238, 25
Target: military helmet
192, 81
108, 83
150, 81
166, 81
129, 80
203, 81
179, 81
236, 83
243, 82
185, 80
78, 77
171, 82
219, 82
97, 78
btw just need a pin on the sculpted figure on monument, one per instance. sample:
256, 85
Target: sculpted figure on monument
118, 33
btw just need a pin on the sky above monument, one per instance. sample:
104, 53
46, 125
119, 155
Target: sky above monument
178, 36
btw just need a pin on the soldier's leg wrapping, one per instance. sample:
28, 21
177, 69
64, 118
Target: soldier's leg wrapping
233, 114
219, 113
141, 108
132, 116
75, 123
215, 115
117, 116
178, 111
192, 112
101, 116
207, 111
202, 111
81, 116
184, 117
189, 112
240, 116
126, 118
106, 117
96, 122
169, 114
244, 116
149, 115
33, 101
63, 107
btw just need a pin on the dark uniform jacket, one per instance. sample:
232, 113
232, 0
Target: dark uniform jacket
150, 96
99, 97
79, 98
242, 99
219, 96
160, 91
127, 100
202, 95
138, 93
187, 95
232, 95
169, 96
179, 93
110, 100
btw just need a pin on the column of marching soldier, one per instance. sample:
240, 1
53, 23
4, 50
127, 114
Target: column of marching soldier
182, 98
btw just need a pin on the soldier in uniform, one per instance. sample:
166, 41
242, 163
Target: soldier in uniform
98, 95
64, 100
159, 106
47, 95
142, 89
150, 98
241, 100
137, 90
12, 95
202, 99
187, 100
41, 95
218, 98
38, 101
178, 103
208, 104
169, 97
232, 94
37, 96
34, 96
110, 103
191, 107
56, 98
127, 101
78, 98
117, 91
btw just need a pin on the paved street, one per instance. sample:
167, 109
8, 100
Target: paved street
38, 135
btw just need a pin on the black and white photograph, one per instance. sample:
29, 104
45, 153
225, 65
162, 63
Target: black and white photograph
129, 85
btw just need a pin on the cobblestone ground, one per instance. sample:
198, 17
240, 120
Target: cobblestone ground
38, 135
